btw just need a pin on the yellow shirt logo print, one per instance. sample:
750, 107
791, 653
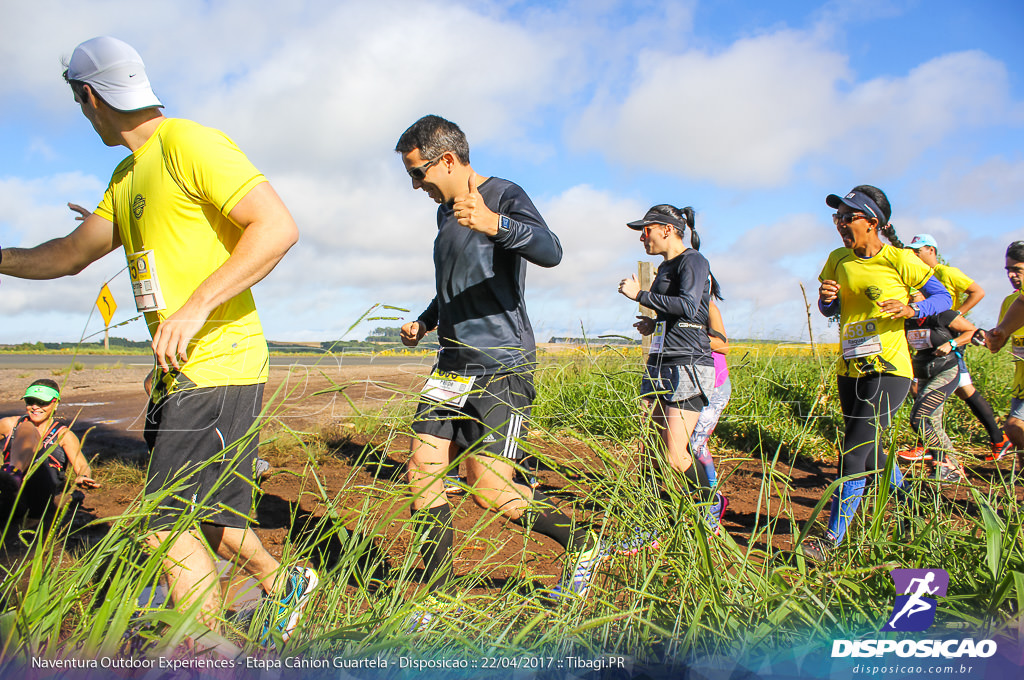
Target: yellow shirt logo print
138, 205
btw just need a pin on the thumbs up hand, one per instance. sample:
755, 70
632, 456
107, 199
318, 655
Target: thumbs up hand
471, 211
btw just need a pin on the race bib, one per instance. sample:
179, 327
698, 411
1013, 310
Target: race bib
658, 338
1018, 348
861, 339
145, 284
448, 388
920, 338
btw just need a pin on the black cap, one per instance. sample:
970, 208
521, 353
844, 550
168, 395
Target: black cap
655, 217
859, 201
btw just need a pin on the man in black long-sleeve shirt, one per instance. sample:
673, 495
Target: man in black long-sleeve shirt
481, 390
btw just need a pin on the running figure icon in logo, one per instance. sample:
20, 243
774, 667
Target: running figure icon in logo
914, 609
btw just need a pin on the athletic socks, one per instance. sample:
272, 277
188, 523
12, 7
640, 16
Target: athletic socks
896, 481
436, 535
545, 518
847, 497
982, 410
844, 506
708, 463
697, 479
897, 487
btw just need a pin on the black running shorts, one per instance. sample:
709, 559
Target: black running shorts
491, 420
203, 445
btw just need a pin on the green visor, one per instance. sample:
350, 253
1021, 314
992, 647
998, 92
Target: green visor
42, 393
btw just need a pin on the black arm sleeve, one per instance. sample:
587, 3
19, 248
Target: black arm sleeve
526, 235
428, 317
693, 276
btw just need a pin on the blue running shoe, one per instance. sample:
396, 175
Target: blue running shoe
453, 484
576, 583
287, 612
432, 609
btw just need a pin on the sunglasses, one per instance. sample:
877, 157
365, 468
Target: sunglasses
420, 171
32, 401
845, 219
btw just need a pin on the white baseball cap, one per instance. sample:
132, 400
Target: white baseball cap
115, 72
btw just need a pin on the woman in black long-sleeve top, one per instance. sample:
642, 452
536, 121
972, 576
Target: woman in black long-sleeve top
680, 371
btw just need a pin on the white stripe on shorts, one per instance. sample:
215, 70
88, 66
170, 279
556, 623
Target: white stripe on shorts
512, 436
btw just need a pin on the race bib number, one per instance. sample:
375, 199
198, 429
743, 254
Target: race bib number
658, 338
920, 338
861, 339
1018, 348
448, 388
145, 284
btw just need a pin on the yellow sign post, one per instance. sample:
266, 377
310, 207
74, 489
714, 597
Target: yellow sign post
107, 306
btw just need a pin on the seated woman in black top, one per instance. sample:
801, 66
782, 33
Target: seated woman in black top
39, 434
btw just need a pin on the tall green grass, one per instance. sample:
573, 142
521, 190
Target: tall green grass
697, 595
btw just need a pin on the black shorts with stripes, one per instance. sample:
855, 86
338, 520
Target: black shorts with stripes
203, 444
491, 421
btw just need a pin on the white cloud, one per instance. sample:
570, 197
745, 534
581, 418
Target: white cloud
317, 94
749, 115
993, 185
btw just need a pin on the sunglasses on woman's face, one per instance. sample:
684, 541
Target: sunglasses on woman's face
420, 171
844, 219
31, 401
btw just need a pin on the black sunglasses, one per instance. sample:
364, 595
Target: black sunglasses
32, 401
845, 219
420, 171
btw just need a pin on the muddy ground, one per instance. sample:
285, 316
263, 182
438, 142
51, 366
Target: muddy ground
110, 404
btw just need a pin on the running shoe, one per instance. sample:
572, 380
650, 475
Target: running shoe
453, 484
818, 549
432, 609
1000, 449
721, 504
260, 469
287, 612
915, 454
950, 471
576, 583
638, 541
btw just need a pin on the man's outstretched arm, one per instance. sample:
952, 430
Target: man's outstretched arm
64, 256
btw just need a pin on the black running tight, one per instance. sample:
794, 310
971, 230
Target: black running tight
868, 404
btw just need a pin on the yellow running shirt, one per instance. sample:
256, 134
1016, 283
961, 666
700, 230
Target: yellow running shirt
170, 202
869, 341
955, 281
1016, 344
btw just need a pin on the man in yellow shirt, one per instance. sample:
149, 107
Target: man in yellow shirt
966, 294
1011, 327
199, 226
956, 282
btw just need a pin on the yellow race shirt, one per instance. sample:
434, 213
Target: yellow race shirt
869, 341
170, 202
955, 281
1016, 344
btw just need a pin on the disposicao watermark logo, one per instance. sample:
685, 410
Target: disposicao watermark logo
913, 612
914, 609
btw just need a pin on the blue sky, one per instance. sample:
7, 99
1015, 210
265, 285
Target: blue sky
750, 112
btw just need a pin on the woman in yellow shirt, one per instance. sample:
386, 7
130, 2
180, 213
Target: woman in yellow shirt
867, 284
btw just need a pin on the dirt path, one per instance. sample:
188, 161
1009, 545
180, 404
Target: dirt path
110, 404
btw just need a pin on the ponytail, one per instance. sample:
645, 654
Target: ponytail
890, 234
688, 216
716, 290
